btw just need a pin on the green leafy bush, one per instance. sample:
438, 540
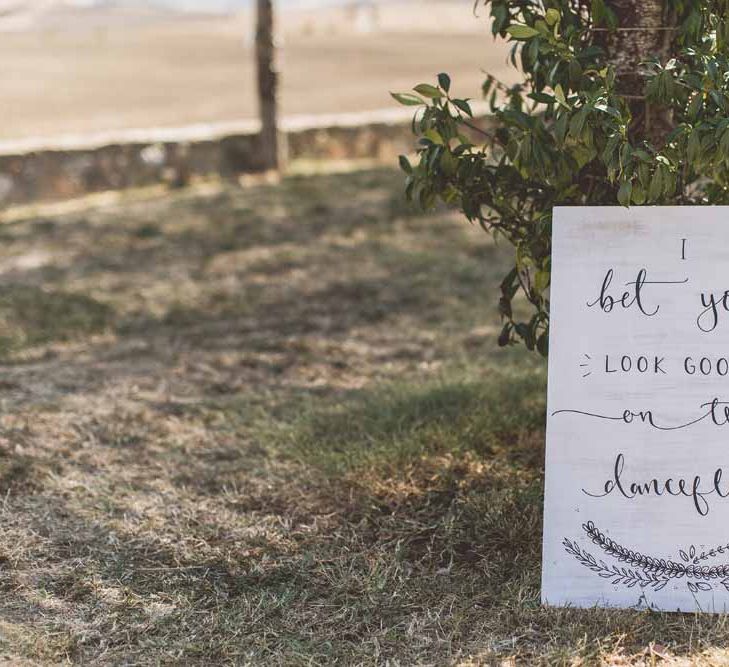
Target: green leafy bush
581, 129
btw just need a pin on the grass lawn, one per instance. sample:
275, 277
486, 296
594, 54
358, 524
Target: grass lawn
271, 426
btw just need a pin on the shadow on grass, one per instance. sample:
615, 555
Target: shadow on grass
31, 316
322, 254
397, 422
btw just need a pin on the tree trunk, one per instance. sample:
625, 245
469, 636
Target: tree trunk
641, 35
267, 85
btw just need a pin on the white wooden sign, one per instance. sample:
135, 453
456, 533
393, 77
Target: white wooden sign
637, 467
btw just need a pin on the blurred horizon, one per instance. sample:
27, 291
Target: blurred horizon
30, 9
89, 67
19, 16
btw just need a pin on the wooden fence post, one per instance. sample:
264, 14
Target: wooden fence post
267, 85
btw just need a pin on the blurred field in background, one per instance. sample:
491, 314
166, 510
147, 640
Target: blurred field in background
77, 70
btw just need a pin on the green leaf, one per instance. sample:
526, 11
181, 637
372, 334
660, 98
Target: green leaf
510, 284
464, 106
624, 193
669, 182
444, 81
626, 152
426, 90
448, 163
407, 99
541, 281
433, 135
500, 17
542, 28
694, 108
405, 164
505, 335
644, 174
519, 31
610, 111
560, 129
590, 52
552, 16
575, 71
693, 148
578, 122
559, 94
639, 194
598, 12
542, 98
524, 333
610, 148
656, 186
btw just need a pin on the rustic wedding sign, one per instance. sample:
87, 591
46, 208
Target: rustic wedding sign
637, 467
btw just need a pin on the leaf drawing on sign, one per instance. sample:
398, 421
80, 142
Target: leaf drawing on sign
662, 566
695, 557
617, 575
698, 586
648, 571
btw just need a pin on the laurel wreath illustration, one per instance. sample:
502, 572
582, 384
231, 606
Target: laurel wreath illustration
645, 571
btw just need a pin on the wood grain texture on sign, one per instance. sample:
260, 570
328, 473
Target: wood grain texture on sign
637, 462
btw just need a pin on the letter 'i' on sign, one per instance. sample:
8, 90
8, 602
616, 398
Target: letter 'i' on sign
637, 466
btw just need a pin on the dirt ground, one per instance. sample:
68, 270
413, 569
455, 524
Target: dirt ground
58, 82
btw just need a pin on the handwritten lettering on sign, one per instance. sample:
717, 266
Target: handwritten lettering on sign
637, 464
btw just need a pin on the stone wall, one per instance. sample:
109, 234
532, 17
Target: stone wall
47, 170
